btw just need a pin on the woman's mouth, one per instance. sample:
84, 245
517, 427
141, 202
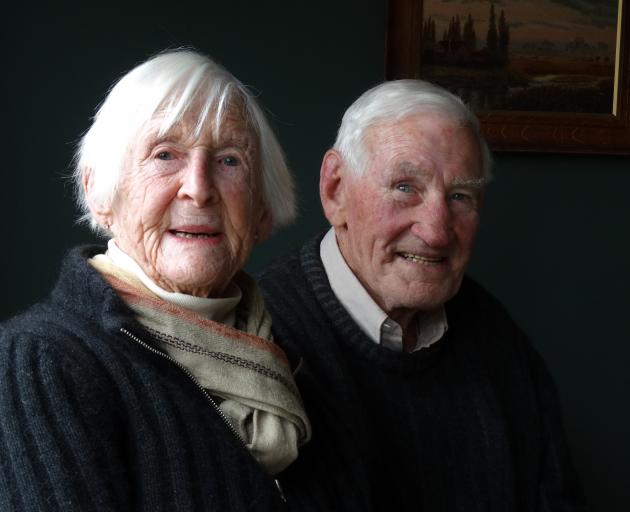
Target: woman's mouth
194, 232
185, 234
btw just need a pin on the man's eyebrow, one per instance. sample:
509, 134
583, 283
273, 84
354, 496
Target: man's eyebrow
409, 168
478, 183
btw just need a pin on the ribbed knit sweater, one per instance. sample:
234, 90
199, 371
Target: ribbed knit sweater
470, 424
93, 420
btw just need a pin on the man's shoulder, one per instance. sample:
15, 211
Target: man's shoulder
474, 298
287, 269
477, 314
482, 315
294, 287
284, 265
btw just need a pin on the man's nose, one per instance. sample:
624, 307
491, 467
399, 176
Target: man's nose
433, 222
198, 181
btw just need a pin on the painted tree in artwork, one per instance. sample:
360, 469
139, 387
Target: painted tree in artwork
428, 40
469, 36
492, 39
454, 31
428, 31
504, 34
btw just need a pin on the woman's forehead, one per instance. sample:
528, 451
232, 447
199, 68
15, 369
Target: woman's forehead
196, 125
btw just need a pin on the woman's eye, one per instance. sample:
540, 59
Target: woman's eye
164, 155
404, 187
230, 161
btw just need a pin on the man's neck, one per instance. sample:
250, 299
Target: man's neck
425, 327
409, 325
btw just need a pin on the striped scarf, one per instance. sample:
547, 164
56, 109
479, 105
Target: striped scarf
242, 366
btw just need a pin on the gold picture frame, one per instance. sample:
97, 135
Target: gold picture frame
516, 130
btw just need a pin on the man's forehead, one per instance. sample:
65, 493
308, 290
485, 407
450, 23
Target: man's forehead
426, 124
416, 146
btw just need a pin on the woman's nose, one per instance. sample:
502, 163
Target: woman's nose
197, 181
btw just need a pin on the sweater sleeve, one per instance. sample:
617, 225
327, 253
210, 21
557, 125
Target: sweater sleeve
530, 395
559, 489
58, 438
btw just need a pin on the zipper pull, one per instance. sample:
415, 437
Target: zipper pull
280, 491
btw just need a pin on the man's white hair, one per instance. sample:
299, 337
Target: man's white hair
169, 86
395, 100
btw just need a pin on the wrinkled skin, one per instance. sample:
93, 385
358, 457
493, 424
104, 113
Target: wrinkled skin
189, 211
406, 227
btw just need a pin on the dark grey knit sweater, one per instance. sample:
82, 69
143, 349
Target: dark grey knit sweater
470, 424
90, 420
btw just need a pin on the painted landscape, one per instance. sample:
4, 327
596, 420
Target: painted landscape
524, 55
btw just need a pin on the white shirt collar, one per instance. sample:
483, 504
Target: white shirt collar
221, 309
381, 329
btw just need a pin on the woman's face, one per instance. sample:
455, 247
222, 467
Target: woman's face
189, 211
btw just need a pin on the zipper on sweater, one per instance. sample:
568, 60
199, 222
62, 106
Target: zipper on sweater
207, 395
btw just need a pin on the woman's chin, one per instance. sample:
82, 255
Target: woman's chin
200, 265
193, 276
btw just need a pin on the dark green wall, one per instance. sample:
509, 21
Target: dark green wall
554, 244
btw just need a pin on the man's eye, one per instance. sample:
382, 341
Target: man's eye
462, 202
458, 196
230, 161
404, 187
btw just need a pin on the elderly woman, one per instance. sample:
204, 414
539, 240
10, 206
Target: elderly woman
148, 380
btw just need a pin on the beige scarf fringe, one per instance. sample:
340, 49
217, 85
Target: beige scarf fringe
241, 365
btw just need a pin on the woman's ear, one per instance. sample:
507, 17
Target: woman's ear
100, 212
265, 226
332, 178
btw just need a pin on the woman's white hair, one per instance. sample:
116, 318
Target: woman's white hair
394, 100
171, 85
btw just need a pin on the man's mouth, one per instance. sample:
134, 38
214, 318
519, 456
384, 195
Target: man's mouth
417, 258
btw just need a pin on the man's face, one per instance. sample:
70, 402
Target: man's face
408, 224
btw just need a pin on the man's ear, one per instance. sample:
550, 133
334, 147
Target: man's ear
100, 212
332, 184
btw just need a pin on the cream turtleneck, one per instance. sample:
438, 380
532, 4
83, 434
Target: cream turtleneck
221, 309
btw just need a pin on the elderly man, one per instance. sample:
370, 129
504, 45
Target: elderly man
422, 392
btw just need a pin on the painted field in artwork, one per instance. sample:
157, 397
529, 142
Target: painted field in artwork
523, 55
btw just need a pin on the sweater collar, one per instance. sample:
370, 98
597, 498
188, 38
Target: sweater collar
347, 330
430, 325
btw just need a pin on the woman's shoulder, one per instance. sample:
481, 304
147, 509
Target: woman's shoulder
49, 371
67, 324
43, 334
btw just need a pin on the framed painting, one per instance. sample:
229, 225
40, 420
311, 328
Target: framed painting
542, 75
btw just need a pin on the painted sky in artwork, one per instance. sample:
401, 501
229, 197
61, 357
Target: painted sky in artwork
559, 21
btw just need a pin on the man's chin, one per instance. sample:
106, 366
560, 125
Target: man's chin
427, 296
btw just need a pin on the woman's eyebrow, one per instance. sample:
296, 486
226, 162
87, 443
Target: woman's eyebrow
234, 139
154, 137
